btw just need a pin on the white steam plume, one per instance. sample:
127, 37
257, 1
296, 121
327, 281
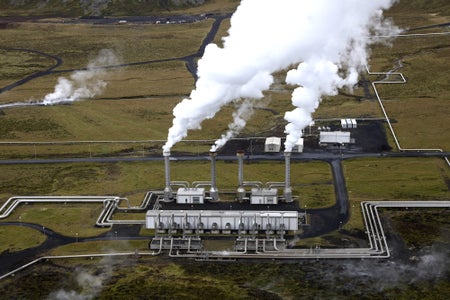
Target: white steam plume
88, 283
88, 286
240, 118
330, 37
83, 84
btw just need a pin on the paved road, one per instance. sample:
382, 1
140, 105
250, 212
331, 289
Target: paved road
58, 62
306, 156
322, 220
12, 260
190, 60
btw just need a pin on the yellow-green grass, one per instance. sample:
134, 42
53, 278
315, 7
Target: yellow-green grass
223, 32
402, 179
77, 44
343, 106
106, 120
16, 64
106, 246
116, 8
419, 107
334, 239
93, 121
216, 6
129, 216
172, 79
127, 177
67, 219
125, 8
421, 123
16, 238
130, 179
417, 13
143, 81
310, 181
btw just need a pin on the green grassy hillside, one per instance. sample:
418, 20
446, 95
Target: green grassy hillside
75, 8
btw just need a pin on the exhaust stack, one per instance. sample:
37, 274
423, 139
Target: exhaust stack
168, 193
240, 190
287, 183
214, 192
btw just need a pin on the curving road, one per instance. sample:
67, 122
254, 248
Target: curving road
58, 62
190, 60
322, 220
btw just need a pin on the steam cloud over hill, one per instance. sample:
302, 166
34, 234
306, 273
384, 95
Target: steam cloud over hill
84, 83
325, 40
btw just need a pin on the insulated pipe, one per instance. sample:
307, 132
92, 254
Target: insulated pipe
240, 190
168, 194
287, 183
214, 192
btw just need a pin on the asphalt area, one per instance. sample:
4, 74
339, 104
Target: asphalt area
369, 137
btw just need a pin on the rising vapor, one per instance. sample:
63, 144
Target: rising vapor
240, 117
326, 40
83, 84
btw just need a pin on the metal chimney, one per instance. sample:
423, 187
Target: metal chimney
168, 194
287, 183
240, 190
214, 192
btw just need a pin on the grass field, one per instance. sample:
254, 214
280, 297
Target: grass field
311, 181
73, 8
402, 179
138, 101
17, 238
137, 105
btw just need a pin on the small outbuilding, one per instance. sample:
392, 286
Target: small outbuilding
298, 146
191, 196
272, 144
334, 137
264, 196
348, 123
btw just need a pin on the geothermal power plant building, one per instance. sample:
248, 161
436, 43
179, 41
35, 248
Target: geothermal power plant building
196, 209
221, 221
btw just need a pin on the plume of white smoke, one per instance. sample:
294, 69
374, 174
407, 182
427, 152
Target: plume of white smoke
432, 265
83, 84
330, 39
240, 118
89, 285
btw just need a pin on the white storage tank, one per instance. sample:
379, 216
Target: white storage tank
191, 195
272, 144
264, 196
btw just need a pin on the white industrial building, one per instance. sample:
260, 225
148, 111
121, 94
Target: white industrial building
334, 137
348, 123
272, 144
215, 220
298, 146
264, 196
191, 195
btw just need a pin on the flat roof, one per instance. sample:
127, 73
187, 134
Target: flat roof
335, 137
190, 191
273, 140
223, 213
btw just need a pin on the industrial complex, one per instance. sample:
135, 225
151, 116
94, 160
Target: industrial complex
194, 209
